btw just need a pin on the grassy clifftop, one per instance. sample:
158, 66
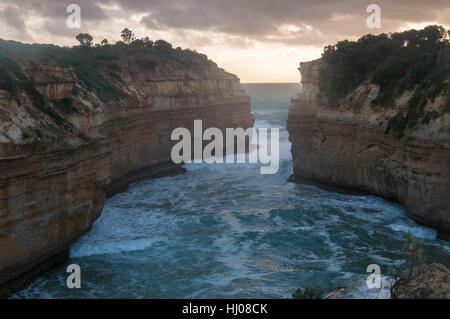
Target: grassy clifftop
86, 62
414, 60
52, 84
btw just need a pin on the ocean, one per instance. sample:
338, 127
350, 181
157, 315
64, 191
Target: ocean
226, 231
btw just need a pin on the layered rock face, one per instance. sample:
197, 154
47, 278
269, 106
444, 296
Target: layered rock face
64, 147
347, 148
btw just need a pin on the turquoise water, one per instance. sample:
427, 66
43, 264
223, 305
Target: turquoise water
226, 231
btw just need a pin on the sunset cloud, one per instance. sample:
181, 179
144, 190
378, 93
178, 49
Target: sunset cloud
214, 25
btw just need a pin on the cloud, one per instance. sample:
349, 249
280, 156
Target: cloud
14, 22
13, 17
150, 23
91, 9
261, 20
290, 22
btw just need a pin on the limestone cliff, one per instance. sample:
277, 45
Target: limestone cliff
347, 147
79, 124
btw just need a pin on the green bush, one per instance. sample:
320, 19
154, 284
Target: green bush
9, 70
413, 258
85, 64
84, 137
65, 105
414, 59
307, 293
429, 115
397, 124
146, 64
98, 70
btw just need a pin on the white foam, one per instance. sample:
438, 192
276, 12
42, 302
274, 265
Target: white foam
81, 249
357, 289
418, 231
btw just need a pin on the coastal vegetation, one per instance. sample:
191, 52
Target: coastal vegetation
413, 60
307, 293
413, 258
94, 65
86, 59
415, 279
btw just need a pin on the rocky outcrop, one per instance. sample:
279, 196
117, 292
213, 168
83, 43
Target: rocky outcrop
66, 145
427, 282
346, 148
356, 288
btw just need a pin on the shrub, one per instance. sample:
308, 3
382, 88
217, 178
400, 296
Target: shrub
138, 43
96, 67
162, 46
307, 293
146, 64
85, 39
416, 60
66, 105
413, 258
9, 70
84, 137
397, 124
413, 253
430, 115
85, 64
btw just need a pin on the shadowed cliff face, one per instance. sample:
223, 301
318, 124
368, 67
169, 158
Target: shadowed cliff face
347, 148
65, 143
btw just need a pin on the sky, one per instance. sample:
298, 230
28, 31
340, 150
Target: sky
261, 41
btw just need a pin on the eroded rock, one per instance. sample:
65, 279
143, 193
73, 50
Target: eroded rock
428, 281
58, 162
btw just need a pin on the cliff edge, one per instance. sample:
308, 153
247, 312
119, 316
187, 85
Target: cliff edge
374, 117
78, 124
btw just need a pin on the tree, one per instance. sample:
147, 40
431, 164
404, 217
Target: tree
413, 258
413, 253
138, 43
147, 42
162, 45
85, 39
127, 36
104, 42
120, 44
433, 33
